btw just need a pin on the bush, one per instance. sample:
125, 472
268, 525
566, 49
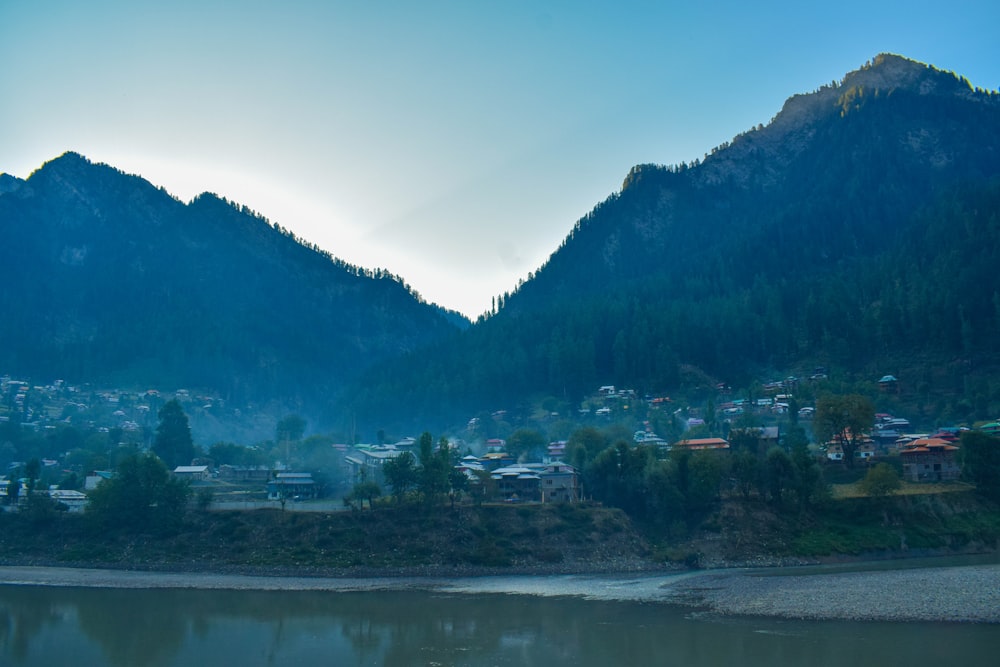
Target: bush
881, 481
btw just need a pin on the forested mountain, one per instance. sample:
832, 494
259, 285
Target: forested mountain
112, 281
858, 230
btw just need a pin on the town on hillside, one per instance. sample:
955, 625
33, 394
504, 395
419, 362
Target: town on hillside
64, 441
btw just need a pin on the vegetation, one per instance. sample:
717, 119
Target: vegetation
112, 281
173, 442
881, 480
141, 497
856, 250
837, 237
981, 453
844, 419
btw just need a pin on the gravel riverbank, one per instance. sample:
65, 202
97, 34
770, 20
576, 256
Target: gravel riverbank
955, 594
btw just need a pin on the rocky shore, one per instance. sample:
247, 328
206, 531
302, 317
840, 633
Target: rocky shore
954, 594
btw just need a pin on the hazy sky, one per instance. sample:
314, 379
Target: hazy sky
453, 143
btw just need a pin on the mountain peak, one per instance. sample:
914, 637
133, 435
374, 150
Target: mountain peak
9, 183
888, 71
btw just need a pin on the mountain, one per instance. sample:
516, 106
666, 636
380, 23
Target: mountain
110, 280
857, 230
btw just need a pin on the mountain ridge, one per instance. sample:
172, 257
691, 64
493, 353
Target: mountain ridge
117, 281
781, 249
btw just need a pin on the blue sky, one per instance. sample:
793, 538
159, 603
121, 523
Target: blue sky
454, 143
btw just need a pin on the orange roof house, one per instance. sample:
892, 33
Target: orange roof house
930, 460
703, 443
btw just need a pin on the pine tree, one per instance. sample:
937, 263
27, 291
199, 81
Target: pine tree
173, 442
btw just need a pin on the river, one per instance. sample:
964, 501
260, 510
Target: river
538, 621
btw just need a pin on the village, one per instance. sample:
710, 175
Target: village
60, 420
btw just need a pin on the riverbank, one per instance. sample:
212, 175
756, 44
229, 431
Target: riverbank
944, 594
967, 593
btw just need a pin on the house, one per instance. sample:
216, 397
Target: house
648, 438
865, 451
559, 483
768, 436
366, 462
193, 473
74, 501
494, 445
538, 482
888, 384
702, 443
556, 451
96, 477
295, 485
244, 473
517, 483
930, 460
494, 460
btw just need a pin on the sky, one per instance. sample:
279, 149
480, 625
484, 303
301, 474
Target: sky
453, 143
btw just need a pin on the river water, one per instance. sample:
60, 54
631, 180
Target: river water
78, 627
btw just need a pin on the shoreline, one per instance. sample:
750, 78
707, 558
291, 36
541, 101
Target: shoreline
962, 593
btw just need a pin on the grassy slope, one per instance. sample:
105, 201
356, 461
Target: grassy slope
545, 537
513, 538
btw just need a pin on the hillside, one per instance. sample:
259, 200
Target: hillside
553, 538
111, 281
856, 231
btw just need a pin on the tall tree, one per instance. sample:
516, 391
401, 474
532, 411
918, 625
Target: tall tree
981, 462
524, 442
433, 479
844, 419
400, 474
173, 442
289, 430
142, 496
290, 427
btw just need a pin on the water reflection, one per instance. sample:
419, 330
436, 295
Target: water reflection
146, 628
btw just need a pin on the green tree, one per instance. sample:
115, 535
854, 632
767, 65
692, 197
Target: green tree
746, 471
290, 428
227, 453
401, 474
617, 476
584, 444
432, 480
981, 462
32, 470
173, 442
665, 504
141, 496
808, 478
367, 490
458, 483
288, 432
13, 490
706, 473
524, 442
485, 487
845, 419
880, 481
41, 510
779, 473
